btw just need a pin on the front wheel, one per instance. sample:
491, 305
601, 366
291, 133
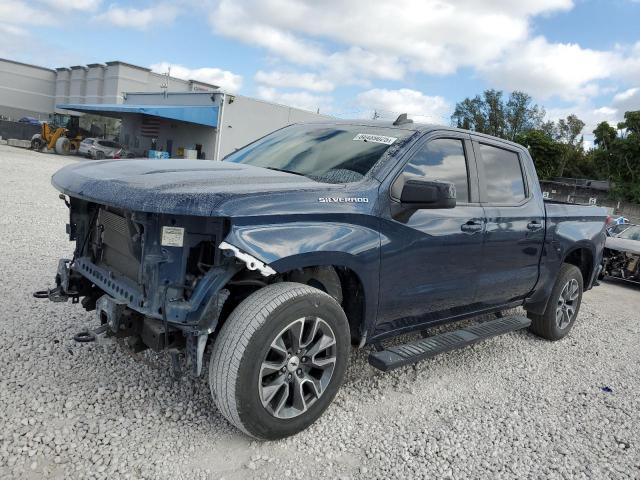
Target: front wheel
279, 360
563, 305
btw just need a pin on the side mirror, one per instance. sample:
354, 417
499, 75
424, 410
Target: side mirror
419, 193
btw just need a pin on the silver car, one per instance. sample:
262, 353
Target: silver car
100, 149
85, 145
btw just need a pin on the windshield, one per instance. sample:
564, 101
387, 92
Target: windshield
326, 153
631, 233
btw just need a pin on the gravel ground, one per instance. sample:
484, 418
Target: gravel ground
512, 407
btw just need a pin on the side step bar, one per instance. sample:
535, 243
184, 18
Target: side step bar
412, 352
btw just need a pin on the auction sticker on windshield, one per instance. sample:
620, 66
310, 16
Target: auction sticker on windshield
367, 137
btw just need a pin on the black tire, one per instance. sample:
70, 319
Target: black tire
546, 325
99, 155
37, 143
245, 341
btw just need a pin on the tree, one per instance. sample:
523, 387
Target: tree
631, 123
567, 130
617, 157
490, 114
604, 135
521, 115
544, 150
469, 114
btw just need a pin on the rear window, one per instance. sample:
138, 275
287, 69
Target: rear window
326, 153
503, 175
88, 141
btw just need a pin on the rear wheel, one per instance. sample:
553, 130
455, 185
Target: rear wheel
37, 143
99, 155
279, 360
563, 306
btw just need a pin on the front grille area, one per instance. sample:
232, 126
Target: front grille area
117, 244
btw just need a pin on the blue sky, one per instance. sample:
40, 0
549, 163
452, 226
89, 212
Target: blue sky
350, 57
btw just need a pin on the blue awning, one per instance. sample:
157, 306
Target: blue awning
200, 115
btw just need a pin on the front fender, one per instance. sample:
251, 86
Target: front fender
285, 247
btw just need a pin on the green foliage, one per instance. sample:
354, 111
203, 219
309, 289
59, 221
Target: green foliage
604, 135
617, 158
544, 150
557, 147
491, 114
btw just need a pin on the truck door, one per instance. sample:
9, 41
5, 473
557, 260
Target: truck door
430, 258
514, 232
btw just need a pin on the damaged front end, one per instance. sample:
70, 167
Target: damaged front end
622, 264
156, 280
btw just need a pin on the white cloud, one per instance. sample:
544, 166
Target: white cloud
17, 12
306, 81
390, 103
302, 100
546, 69
79, 5
355, 65
626, 101
225, 79
234, 20
357, 41
385, 39
161, 13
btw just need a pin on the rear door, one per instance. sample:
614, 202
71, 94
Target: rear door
514, 231
430, 258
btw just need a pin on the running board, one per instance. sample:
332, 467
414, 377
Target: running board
412, 352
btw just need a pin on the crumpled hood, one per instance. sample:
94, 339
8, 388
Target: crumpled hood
623, 245
181, 187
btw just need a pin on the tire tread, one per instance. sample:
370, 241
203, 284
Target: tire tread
544, 325
235, 336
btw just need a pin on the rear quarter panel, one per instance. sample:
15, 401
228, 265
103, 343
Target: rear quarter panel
569, 227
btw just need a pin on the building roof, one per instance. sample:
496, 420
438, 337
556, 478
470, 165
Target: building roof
199, 115
26, 64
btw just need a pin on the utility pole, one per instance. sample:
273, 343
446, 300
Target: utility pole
165, 86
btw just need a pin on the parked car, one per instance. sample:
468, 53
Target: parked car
30, 121
622, 254
100, 149
317, 237
617, 228
85, 146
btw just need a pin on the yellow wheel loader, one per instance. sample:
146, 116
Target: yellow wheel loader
62, 140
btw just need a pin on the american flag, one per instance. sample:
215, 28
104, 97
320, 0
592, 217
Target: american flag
150, 127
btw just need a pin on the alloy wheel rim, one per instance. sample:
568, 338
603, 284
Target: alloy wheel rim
567, 303
297, 367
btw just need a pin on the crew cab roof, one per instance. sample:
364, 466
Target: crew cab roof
413, 127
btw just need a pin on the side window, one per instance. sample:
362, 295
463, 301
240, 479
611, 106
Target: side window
503, 175
442, 159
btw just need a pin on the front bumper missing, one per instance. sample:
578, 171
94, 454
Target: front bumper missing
62, 292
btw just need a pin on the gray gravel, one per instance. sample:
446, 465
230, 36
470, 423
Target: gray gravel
512, 407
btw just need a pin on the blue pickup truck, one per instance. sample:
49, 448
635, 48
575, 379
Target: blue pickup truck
315, 238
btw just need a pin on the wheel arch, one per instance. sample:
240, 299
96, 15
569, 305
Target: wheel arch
581, 256
352, 298
352, 249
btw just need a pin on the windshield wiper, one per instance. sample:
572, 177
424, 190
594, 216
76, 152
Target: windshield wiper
286, 171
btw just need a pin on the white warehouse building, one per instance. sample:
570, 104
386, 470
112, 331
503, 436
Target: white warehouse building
158, 112
213, 124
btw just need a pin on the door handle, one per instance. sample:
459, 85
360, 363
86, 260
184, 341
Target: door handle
534, 225
471, 227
